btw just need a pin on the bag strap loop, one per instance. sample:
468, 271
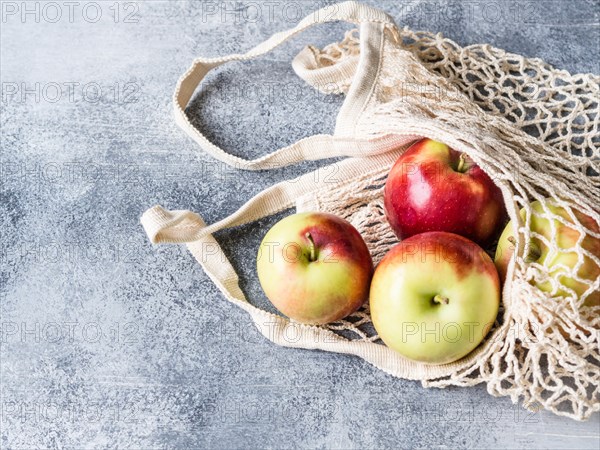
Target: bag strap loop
372, 24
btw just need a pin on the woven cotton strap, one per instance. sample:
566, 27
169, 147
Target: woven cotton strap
163, 226
543, 352
372, 22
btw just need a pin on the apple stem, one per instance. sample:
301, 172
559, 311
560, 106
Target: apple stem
534, 253
312, 257
534, 250
461, 163
440, 299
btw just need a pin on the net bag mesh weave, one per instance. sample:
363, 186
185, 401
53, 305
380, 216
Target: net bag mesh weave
547, 351
532, 128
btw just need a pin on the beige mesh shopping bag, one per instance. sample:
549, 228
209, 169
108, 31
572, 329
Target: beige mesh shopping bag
532, 128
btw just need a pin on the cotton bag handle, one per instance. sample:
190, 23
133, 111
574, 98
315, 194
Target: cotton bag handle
372, 24
163, 226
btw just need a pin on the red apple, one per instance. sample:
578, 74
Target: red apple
314, 267
434, 297
435, 188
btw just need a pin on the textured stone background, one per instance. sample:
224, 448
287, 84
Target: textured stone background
108, 341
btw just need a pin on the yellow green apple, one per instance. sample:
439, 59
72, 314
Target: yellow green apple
562, 262
434, 297
314, 267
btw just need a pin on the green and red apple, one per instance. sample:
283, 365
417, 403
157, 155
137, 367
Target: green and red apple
433, 187
434, 297
314, 267
560, 263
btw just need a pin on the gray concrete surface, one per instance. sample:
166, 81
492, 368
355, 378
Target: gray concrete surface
109, 342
